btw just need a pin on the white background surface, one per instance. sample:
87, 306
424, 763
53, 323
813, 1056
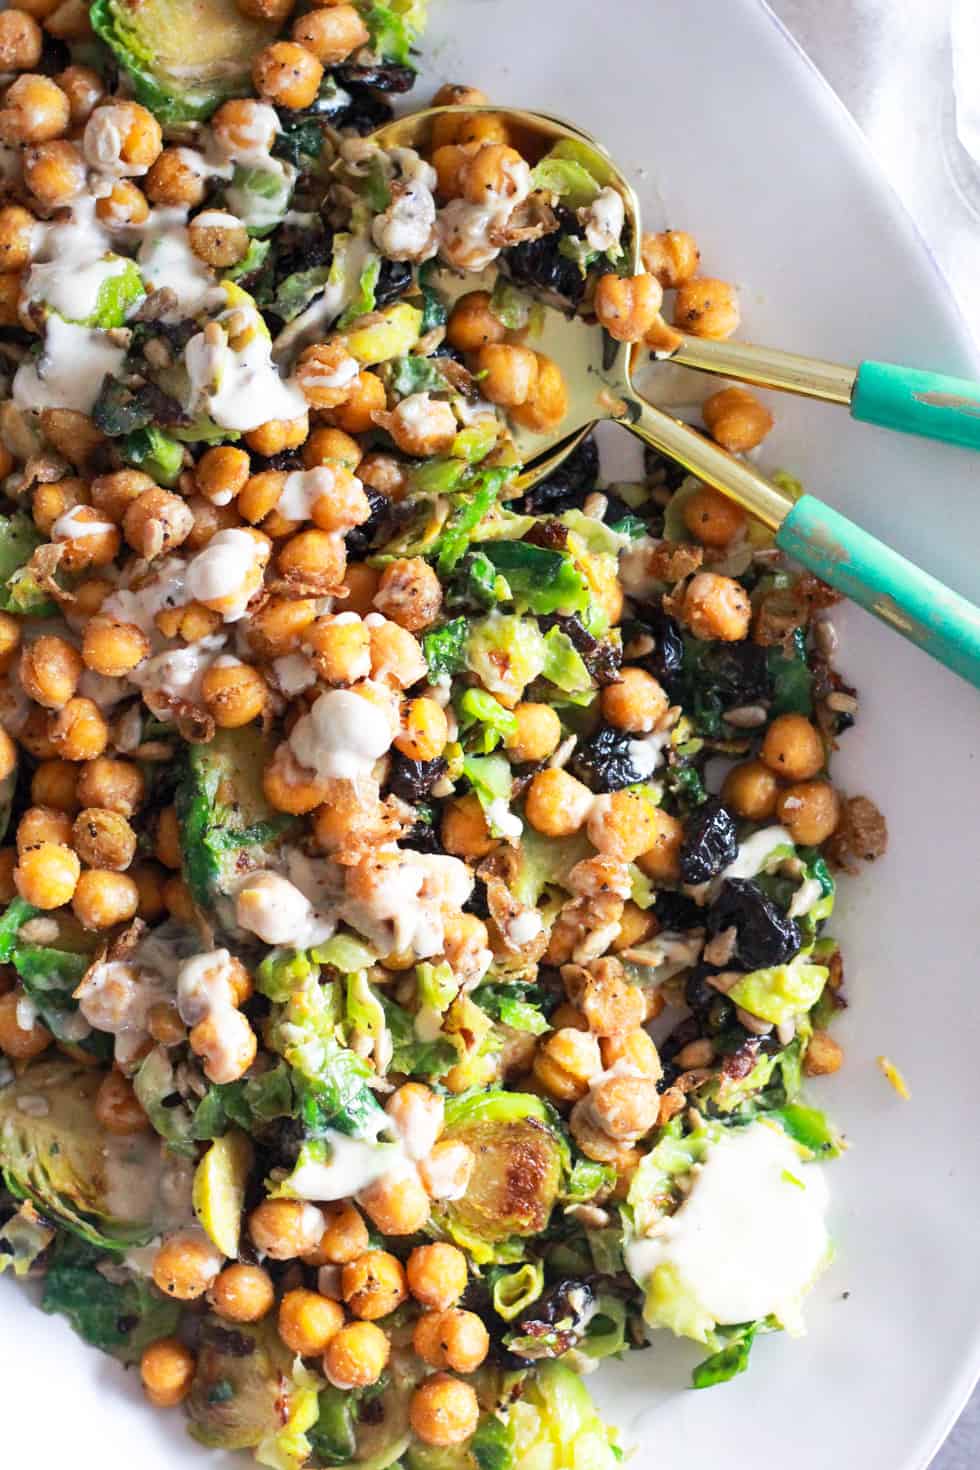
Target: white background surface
892, 66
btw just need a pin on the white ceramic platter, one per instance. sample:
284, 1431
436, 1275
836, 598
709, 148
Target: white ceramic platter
727, 131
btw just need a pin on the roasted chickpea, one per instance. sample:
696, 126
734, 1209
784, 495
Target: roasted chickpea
167, 1372
627, 306
8, 755
16, 227
716, 607
117, 785
396, 1206
84, 89
706, 307
636, 703
373, 1285
636, 1049
361, 584
510, 373
157, 522
810, 811
421, 425
78, 731
566, 1062
472, 324
736, 419
55, 783
538, 733
103, 839
357, 1356
331, 33
103, 898
117, 1107
113, 649
557, 804
50, 670
464, 828
494, 171
443, 1410
327, 446
21, 1042
218, 238
234, 694
750, 791
625, 1107
451, 1338
341, 503
20, 41
280, 624
366, 398
661, 860
793, 748
226, 1046
34, 110
177, 179
344, 1238
396, 655
46, 875
43, 824
89, 597
9, 641
272, 10
425, 730
94, 546
285, 1228
123, 135
340, 648
409, 593
287, 75
125, 204
221, 473
277, 435
242, 1293
113, 494
436, 1274
672, 256
313, 560
307, 1321
712, 518
449, 161
290, 787
185, 1266
547, 403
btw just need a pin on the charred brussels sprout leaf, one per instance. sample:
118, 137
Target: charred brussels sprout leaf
121, 410
121, 1318
540, 580
252, 1363
792, 681
764, 935
710, 843
177, 81
715, 677
567, 487
445, 648
729, 1361
604, 762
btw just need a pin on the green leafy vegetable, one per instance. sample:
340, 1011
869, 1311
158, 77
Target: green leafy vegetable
564, 666
729, 1361
251, 262
540, 581
362, 301
395, 27
792, 682
19, 592
445, 649
468, 512
410, 1055
415, 374
17, 913
120, 1318
565, 175
246, 1104
485, 716
155, 453
781, 991
516, 1005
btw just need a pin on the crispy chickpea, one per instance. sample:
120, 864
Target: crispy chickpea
436, 1274
366, 398
34, 736
472, 324
373, 1285
179, 904
706, 307
167, 1372
273, 10
396, 655
218, 238
662, 859
810, 811
609, 1003
226, 1046
166, 847
557, 804
421, 425
285, 1228
823, 1056
84, 89
636, 1048
242, 1293
78, 731
34, 110
261, 494
125, 131
547, 403
510, 373
716, 607
327, 446
357, 1356
538, 733
70, 21
736, 419
565, 1063
47, 875
712, 518
20, 41
627, 306
117, 785
221, 473
50, 670
396, 1206
636, 703
331, 33
290, 787
234, 694
242, 125
112, 648
425, 730
494, 171
157, 522
793, 748
118, 1108
340, 649
280, 624
103, 898
209, 520
464, 828
174, 180
277, 435
361, 583
185, 1266
95, 546
20, 1043
447, 1170
89, 597
750, 791
315, 559
341, 504
307, 1321
125, 204
451, 1338
16, 227
113, 494
43, 824
9, 641
625, 1107
449, 160
54, 172
149, 880
672, 256
409, 593
164, 1024
104, 839
443, 1410
55, 784
8, 755
344, 1238
287, 75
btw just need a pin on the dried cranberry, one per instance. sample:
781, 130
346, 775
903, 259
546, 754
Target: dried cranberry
664, 662
385, 76
677, 912
394, 279
661, 471
540, 262
601, 656
604, 762
566, 488
413, 780
710, 842
360, 540
764, 934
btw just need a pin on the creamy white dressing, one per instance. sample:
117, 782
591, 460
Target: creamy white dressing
139, 606
256, 140
464, 229
72, 260
809, 893
503, 822
103, 141
261, 209
293, 673
446, 1173
647, 754
603, 220
755, 852
343, 735
166, 259
223, 570
524, 927
73, 526
177, 673
303, 488
102, 689
353, 1165
408, 902
406, 229
239, 389
750, 1238
269, 905
115, 996
69, 371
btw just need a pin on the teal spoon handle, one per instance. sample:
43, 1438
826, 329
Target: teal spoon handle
929, 404
937, 620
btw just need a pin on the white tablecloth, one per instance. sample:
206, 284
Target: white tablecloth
891, 62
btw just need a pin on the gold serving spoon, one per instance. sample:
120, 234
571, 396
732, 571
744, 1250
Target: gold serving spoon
598, 374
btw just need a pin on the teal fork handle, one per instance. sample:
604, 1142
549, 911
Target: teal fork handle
937, 620
929, 404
